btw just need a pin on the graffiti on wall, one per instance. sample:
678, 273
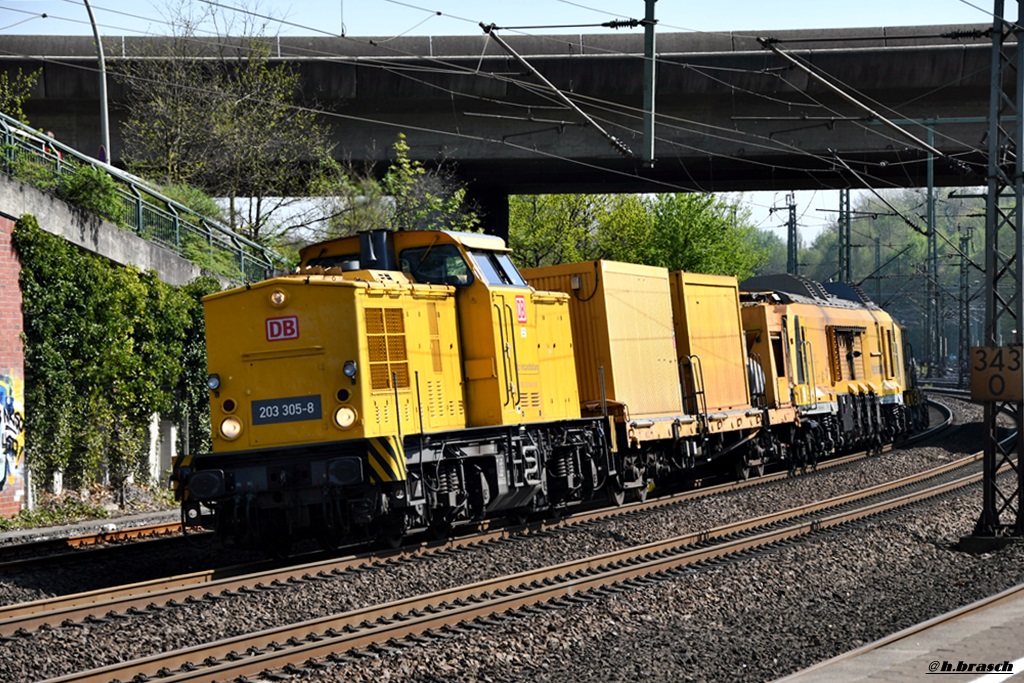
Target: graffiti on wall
12, 432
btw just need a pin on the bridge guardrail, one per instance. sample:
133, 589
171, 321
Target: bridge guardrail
147, 212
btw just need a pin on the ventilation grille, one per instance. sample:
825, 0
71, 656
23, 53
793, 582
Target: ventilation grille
385, 343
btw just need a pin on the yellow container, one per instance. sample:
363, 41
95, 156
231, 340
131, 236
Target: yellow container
710, 343
621, 322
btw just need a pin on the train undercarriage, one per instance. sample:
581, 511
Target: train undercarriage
338, 495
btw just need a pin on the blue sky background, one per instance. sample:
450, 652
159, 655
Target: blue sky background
387, 18
460, 17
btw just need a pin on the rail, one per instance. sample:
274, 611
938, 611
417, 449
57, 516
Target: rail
289, 648
164, 592
27, 155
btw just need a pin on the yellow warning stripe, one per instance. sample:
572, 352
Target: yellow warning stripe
387, 458
182, 461
381, 474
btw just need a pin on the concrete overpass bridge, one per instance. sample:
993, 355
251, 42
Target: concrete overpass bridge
731, 114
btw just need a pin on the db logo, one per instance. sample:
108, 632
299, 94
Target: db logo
521, 309
279, 329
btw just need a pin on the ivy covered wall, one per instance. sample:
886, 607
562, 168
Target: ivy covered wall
106, 347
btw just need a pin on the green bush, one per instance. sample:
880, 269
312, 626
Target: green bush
62, 510
91, 188
213, 258
33, 170
195, 199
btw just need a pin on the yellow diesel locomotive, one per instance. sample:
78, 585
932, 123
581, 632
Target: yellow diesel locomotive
418, 380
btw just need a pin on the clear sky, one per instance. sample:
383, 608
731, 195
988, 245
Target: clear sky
456, 17
386, 18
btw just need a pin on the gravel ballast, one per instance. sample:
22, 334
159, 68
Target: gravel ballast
754, 619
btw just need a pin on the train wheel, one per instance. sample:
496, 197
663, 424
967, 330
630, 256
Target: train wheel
742, 469
327, 542
746, 467
639, 494
274, 536
391, 539
440, 529
519, 516
616, 496
392, 531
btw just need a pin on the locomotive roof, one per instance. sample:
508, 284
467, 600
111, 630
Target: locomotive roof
470, 240
796, 289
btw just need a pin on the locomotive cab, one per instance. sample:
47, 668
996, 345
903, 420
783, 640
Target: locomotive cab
516, 343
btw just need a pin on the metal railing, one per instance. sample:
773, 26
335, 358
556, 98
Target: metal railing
149, 214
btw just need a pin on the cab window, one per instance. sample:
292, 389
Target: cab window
436, 265
497, 268
345, 262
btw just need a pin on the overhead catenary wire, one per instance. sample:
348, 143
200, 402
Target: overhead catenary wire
661, 62
692, 147
914, 225
665, 184
773, 46
620, 146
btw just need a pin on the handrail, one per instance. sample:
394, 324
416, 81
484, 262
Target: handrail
812, 383
758, 399
505, 359
700, 399
150, 214
515, 357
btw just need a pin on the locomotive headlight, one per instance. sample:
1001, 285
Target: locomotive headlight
213, 382
230, 428
345, 417
277, 298
350, 370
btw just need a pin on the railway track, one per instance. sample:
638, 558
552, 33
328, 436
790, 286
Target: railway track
23, 556
157, 594
318, 642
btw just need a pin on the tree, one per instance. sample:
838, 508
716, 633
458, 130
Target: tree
409, 196
775, 249
565, 228
192, 398
701, 233
14, 90
889, 258
227, 119
102, 354
698, 233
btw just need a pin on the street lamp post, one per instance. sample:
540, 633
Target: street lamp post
104, 119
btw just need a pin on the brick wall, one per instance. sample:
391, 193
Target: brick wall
12, 378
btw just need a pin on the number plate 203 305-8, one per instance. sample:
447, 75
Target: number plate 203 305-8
294, 409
